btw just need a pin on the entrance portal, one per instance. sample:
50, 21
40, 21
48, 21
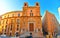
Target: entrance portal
31, 26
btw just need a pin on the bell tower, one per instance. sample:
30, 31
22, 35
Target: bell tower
25, 4
37, 9
25, 8
37, 4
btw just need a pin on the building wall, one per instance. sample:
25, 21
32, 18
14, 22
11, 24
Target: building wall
50, 23
0, 26
18, 21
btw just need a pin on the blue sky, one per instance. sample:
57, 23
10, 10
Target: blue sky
12, 5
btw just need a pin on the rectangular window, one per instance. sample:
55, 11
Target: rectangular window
10, 34
31, 14
12, 21
6, 21
23, 30
5, 33
5, 30
11, 27
17, 27
17, 34
2, 22
18, 15
5, 16
38, 29
6, 26
12, 15
18, 21
8, 15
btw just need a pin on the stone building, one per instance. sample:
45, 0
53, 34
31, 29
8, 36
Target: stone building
27, 21
0, 26
50, 24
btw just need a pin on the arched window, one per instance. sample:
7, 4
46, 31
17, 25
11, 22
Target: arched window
37, 4
25, 4
31, 14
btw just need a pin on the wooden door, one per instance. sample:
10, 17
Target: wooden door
31, 26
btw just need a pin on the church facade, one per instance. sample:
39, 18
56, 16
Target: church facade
27, 21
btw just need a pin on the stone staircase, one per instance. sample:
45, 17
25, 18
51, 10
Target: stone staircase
25, 34
34, 34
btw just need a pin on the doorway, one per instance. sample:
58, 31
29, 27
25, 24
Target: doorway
31, 26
